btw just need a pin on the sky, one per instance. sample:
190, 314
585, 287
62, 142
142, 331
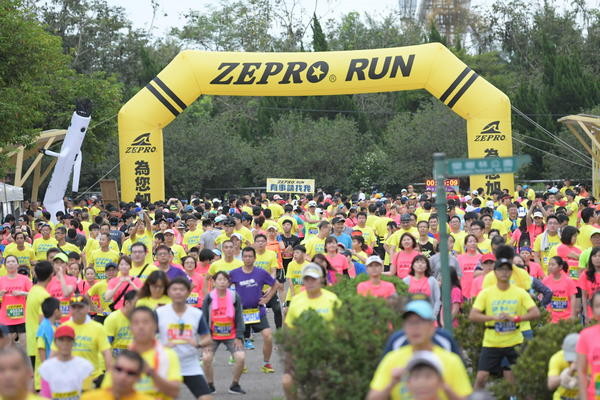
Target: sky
171, 12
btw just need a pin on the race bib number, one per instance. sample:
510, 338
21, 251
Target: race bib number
573, 273
505, 326
192, 299
101, 275
15, 311
251, 316
65, 307
179, 333
222, 329
559, 303
65, 396
297, 281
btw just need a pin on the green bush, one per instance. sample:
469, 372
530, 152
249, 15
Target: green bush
531, 368
337, 360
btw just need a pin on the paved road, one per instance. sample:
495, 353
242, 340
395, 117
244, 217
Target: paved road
258, 386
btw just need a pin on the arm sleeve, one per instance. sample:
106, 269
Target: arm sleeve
206, 309
240, 327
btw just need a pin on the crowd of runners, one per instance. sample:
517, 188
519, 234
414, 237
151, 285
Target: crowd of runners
131, 301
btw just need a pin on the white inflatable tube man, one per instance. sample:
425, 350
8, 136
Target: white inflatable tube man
69, 159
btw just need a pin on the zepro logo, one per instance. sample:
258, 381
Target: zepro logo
141, 144
490, 133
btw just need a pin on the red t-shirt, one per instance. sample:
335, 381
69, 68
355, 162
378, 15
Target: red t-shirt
562, 290
589, 345
467, 263
402, 260
12, 311
383, 289
55, 289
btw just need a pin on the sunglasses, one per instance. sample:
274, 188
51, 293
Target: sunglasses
126, 371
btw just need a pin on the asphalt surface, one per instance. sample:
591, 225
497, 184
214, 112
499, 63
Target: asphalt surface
258, 385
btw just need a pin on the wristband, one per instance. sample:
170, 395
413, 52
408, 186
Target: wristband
517, 319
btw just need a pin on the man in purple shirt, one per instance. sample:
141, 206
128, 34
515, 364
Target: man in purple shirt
164, 256
249, 282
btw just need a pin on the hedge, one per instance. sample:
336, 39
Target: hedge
337, 360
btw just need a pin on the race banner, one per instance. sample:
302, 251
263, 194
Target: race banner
280, 185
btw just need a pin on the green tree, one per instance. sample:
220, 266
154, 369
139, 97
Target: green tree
319, 40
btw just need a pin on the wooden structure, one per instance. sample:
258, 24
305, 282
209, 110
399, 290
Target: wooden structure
110, 192
586, 128
18, 155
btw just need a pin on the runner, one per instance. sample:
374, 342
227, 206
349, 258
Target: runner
14, 288
294, 274
141, 268
164, 258
499, 308
45, 332
227, 263
420, 281
375, 286
402, 260
562, 370
104, 255
15, 375
121, 284
63, 375
117, 324
249, 282
545, 242
563, 288
125, 372
33, 308
419, 324
161, 377
315, 244
102, 307
91, 341
468, 261
42, 244
222, 312
153, 293
182, 328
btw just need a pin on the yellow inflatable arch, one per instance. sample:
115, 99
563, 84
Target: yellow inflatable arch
191, 73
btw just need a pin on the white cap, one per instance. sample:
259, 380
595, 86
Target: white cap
475, 192
374, 259
168, 231
237, 235
312, 203
538, 214
467, 198
427, 358
277, 197
313, 270
489, 203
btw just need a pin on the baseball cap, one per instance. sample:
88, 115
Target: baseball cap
538, 214
64, 331
79, 301
568, 346
403, 191
236, 235
489, 204
169, 231
61, 256
277, 197
188, 208
110, 265
272, 227
312, 270
338, 220
424, 358
422, 308
220, 218
312, 203
373, 259
467, 198
217, 252
594, 232
502, 262
488, 257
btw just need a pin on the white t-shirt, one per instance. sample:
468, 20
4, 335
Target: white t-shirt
176, 329
65, 378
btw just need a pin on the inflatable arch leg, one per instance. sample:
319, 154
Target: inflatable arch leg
191, 73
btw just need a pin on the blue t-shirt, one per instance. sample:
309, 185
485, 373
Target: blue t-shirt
359, 268
249, 286
344, 239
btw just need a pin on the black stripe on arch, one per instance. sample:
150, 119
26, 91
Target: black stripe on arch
170, 93
462, 90
454, 84
161, 98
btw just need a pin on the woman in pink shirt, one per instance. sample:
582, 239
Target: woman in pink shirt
122, 283
375, 286
403, 259
467, 262
534, 269
589, 282
338, 261
13, 291
588, 354
568, 251
196, 295
563, 290
420, 281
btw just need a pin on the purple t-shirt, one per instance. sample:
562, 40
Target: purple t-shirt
174, 272
249, 286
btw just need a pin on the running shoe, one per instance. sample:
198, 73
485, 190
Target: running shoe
248, 345
236, 389
267, 368
211, 388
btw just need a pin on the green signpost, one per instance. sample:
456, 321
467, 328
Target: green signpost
443, 168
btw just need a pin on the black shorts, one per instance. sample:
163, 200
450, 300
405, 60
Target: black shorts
280, 275
197, 385
18, 328
490, 358
262, 325
578, 295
